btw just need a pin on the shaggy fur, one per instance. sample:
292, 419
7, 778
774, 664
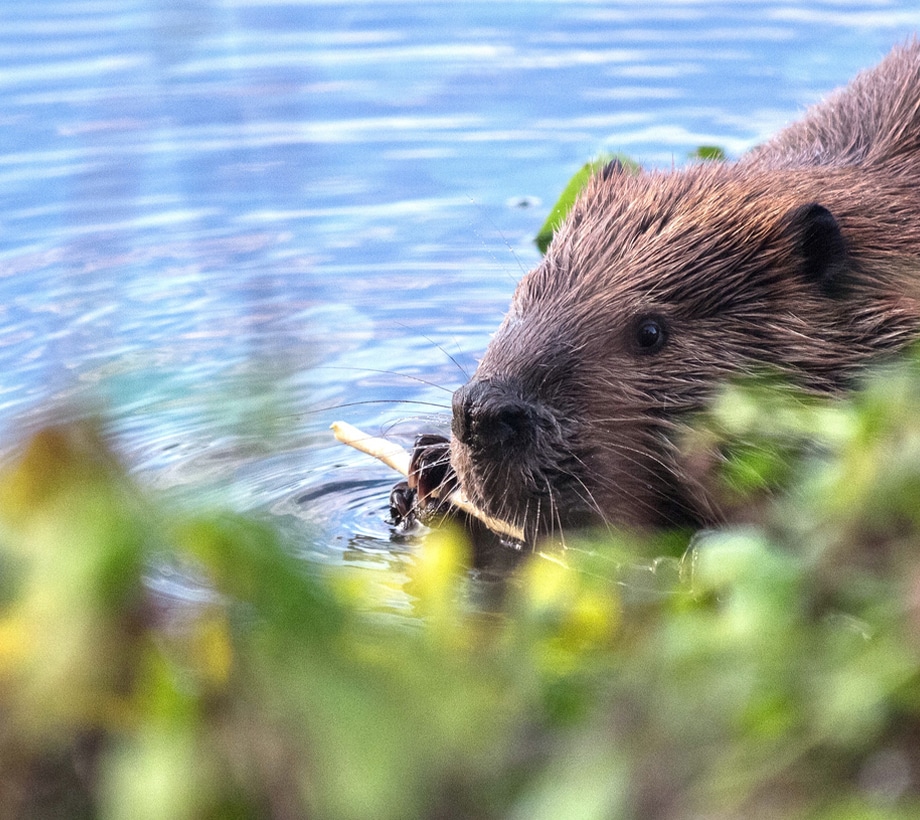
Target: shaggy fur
804, 256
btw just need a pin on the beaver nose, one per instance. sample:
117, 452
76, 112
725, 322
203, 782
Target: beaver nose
487, 415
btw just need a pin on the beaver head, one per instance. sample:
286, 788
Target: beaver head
657, 288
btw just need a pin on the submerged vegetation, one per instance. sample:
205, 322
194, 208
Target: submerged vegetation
773, 669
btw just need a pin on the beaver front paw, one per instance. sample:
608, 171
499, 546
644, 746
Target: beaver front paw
431, 481
430, 473
402, 504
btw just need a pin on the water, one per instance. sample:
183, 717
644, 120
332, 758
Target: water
229, 223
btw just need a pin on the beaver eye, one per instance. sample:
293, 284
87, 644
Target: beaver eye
650, 334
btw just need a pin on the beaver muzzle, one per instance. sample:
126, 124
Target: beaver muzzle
493, 419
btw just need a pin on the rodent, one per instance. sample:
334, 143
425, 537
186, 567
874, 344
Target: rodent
804, 255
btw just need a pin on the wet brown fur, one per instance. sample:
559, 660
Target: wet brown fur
740, 267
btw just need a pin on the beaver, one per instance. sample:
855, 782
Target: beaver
803, 256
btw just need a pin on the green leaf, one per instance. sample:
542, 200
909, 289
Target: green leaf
571, 191
708, 153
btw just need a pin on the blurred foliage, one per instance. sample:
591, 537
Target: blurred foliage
772, 671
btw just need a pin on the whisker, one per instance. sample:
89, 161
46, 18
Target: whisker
632, 454
537, 519
587, 497
441, 347
556, 517
362, 402
407, 376
504, 239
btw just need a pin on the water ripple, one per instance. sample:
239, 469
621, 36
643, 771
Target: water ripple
203, 200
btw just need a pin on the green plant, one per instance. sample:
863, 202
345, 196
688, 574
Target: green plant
559, 211
773, 670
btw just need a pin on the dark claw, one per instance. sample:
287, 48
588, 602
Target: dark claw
402, 502
430, 473
415, 500
431, 479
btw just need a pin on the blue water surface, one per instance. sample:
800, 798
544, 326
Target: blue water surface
226, 223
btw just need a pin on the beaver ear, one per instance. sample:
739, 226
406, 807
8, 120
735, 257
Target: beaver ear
821, 247
613, 168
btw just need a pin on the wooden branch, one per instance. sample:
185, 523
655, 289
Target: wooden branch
398, 458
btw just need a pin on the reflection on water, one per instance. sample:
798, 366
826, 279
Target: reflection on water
231, 222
